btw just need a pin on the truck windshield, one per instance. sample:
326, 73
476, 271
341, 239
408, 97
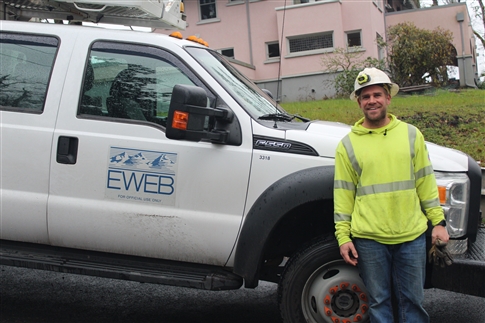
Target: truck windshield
241, 88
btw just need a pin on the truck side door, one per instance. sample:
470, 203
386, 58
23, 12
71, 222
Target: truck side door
118, 184
27, 118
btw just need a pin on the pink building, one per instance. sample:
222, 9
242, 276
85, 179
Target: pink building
271, 40
453, 17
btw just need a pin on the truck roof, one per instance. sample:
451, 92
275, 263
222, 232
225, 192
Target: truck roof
165, 14
95, 32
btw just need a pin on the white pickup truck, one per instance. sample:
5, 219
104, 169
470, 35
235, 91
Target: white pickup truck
145, 157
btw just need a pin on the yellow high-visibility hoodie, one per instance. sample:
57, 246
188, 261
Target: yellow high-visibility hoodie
383, 181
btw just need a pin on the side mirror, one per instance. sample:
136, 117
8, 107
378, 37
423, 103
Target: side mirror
189, 117
268, 92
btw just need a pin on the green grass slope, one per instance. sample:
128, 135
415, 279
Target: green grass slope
454, 119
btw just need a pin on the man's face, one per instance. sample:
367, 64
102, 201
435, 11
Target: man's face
373, 101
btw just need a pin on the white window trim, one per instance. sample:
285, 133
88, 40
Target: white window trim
307, 2
356, 49
380, 49
235, 3
210, 19
353, 32
226, 48
272, 59
378, 4
238, 2
312, 51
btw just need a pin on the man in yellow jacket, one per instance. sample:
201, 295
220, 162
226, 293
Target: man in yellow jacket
383, 182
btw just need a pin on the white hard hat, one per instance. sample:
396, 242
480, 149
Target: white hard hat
371, 76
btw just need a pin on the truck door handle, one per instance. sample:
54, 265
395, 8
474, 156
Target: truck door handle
67, 150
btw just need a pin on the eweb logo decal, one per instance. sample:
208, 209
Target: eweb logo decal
141, 175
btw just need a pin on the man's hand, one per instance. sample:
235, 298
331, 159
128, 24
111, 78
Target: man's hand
438, 254
348, 252
439, 232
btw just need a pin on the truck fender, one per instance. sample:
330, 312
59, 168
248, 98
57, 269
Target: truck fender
291, 191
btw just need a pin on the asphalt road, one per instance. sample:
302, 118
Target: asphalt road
34, 296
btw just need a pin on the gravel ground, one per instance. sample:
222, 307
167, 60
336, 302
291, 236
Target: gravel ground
34, 296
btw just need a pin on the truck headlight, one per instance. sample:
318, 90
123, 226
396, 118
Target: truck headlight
454, 193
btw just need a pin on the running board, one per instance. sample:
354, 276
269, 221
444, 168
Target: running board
145, 270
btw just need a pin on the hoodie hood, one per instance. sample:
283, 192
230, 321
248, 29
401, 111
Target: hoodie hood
360, 130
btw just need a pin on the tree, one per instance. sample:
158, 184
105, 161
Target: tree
478, 20
346, 64
416, 54
479, 11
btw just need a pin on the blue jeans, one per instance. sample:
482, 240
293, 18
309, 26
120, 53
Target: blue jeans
402, 265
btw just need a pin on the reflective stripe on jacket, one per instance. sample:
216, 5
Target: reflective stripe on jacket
383, 180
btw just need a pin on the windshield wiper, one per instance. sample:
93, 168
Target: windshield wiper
277, 116
282, 117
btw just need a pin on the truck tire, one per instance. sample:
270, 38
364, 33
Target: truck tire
318, 286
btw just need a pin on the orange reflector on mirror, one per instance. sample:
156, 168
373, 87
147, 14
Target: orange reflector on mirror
180, 120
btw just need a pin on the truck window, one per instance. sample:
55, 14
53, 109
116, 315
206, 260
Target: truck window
25, 66
249, 96
133, 82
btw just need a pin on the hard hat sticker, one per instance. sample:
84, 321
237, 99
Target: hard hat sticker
363, 78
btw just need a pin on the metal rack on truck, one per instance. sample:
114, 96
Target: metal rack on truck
167, 14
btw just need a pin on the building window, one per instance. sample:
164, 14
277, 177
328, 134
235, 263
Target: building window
378, 3
354, 39
207, 9
312, 42
235, 2
228, 52
380, 46
273, 50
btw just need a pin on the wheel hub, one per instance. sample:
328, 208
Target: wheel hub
335, 293
345, 303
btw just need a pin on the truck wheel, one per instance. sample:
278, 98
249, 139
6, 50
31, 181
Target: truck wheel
318, 286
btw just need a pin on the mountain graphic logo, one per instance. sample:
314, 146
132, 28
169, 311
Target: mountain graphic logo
126, 158
161, 161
